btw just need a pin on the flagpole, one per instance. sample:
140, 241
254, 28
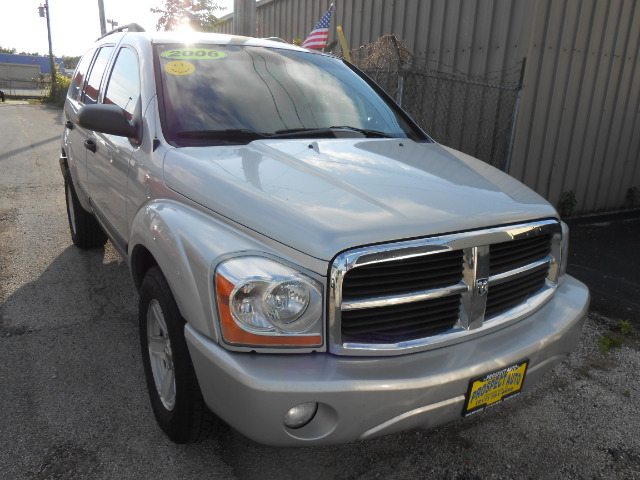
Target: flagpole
345, 48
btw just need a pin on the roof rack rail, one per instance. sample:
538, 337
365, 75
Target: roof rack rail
274, 39
132, 27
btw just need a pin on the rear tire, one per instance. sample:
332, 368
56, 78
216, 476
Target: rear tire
85, 230
173, 388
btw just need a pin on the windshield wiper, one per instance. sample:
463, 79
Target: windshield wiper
364, 131
302, 132
245, 134
323, 132
242, 133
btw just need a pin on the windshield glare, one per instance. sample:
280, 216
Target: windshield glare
217, 88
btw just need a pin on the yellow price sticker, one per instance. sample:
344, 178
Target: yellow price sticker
179, 68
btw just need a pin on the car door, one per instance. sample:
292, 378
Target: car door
76, 135
90, 96
108, 165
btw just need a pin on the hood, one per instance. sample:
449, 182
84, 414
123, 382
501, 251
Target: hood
323, 197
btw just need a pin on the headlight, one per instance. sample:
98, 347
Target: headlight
564, 255
264, 303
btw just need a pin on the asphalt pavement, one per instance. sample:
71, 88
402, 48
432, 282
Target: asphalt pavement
604, 253
73, 404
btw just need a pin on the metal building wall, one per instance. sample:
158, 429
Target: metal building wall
578, 127
476, 37
19, 72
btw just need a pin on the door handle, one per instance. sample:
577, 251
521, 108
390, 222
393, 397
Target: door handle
69, 124
90, 145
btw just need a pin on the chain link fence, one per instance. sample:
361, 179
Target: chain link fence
473, 115
25, 88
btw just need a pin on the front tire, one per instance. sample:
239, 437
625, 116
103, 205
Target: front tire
85, 231
173, 388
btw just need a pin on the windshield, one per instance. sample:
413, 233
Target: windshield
221, 94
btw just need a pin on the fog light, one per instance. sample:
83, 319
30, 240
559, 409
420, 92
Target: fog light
300, 415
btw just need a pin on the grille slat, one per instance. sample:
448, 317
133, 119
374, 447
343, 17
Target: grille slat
373, 316
517, 253
524, 251
536, 253
399, 287
404, 276
407, 265
506, 295
401, 323
397, 277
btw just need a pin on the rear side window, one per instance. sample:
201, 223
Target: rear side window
123, 89
99, 66
75, 89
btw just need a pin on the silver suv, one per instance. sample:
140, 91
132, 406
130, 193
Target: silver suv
312, 267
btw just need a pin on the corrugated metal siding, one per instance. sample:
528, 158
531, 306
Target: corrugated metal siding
474, 37
578, 123
578, 126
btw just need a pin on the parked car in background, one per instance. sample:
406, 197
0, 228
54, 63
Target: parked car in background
312, 267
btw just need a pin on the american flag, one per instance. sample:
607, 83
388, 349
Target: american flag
319, 35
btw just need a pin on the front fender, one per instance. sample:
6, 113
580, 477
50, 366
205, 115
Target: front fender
187, 245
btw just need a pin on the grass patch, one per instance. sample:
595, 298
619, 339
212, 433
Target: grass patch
608, 342
616, 336
625, 328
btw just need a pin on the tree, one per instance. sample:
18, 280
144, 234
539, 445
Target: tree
198, 13
7, 50
70, 62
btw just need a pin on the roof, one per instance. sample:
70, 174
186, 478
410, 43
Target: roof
43, 62
219, 38
201, 37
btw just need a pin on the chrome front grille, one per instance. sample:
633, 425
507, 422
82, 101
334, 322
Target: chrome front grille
411, 296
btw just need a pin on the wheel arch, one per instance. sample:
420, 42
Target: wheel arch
141, 261
186, 244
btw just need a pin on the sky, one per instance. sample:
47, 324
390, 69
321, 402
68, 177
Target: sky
75, 24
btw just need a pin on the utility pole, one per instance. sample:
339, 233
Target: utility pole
113, 23
244, 17
103, 25
43, 11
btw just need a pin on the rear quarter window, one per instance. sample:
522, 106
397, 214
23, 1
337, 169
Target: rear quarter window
80, 75
95, 77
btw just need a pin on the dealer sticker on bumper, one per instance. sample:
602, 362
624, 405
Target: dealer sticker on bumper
494, 388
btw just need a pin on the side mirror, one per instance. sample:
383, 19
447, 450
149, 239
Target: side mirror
109, 119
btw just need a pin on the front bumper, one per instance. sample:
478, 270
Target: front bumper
364, 397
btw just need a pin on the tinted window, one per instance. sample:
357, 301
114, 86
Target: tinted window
124, 85
93, 84
213, 88
75, 89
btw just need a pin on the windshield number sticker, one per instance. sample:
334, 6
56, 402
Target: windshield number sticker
193, 54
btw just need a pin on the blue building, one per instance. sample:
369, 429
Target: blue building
31, 60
